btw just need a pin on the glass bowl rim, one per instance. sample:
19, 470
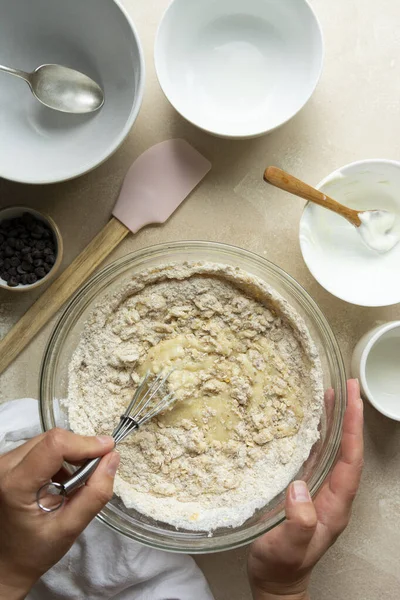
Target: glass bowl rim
118, 267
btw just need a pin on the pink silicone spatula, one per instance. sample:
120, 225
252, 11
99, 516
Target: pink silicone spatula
155, 185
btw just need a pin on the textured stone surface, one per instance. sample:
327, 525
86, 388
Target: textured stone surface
354, 114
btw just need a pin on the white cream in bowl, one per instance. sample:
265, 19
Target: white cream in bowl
380, 229
334, 250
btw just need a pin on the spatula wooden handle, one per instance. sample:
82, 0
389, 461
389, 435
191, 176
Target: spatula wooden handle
288, 183
60, 290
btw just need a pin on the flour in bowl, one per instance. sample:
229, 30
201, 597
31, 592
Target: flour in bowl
246, 376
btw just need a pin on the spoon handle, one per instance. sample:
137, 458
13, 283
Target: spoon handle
288, 183
15, 72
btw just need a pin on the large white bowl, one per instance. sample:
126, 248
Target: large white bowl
333, 250
238, 68
39, 145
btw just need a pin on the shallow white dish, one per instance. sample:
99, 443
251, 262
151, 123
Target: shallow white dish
376, 363
238, 68
332, 248
39, 145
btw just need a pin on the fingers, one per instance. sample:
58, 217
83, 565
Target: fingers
346, 475
46, 458
87, 502
290, 541
301, 517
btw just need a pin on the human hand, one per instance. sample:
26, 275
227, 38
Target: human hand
33, 541
281, 561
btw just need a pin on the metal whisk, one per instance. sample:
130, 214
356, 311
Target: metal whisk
140, 411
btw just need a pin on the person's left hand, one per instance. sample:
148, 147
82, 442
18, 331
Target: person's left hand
33, 541
280, 562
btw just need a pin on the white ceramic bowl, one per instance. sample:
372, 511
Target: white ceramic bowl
238, 68
376, 363
333, 250
11, 212
39, 145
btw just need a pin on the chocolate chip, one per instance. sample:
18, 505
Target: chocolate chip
30, 225
7, 263
37, 254
41, 245
50, 259
38, 231
21, 270
14, 261
13, 281
40, 272
38, 262
27, 267
47, 267
25, 250
31, 278
12, 271
48, 251
9, 251
19, 244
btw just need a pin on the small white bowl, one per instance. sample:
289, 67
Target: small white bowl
376, 363
97, 37
239, 68
332, 248
11, 212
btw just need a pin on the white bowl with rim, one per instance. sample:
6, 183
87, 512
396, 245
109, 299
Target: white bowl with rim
333, 250
376, 363
239, 68
12, 212
97, 37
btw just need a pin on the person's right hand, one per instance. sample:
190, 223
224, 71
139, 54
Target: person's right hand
281, 561
33, 541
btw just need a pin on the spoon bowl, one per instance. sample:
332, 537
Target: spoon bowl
65, 89
62, 88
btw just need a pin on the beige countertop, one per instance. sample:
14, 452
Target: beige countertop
354, 114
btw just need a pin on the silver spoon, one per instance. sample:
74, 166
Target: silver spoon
62, 88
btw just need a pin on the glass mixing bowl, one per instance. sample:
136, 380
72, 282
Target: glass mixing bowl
65, 338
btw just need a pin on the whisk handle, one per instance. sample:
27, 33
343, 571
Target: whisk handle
80, 476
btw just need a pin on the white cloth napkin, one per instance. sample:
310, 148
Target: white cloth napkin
102, 564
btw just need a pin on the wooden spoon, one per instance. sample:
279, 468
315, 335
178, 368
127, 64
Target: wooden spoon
290, 184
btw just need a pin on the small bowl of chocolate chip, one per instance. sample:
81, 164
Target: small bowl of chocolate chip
30, 248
